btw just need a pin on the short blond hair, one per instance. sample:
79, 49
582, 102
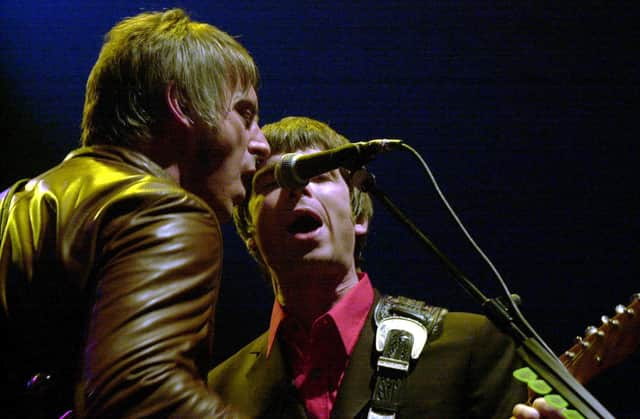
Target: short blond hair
141, 55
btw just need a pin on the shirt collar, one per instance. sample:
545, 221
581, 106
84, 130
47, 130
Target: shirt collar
349, 314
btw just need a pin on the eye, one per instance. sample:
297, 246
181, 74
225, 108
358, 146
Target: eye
325, 177
248, 115
246, 112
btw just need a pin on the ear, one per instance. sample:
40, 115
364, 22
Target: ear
361, 227
172, 99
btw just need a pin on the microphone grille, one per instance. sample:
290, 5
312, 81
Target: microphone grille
285, 173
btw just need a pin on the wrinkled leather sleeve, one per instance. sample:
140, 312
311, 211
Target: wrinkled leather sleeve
149, 331
117, 262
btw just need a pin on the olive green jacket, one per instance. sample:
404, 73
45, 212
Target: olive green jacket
466, 372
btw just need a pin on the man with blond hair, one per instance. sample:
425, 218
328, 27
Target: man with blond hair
110, 261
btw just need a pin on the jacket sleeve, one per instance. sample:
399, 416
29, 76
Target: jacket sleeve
494, 391
150, 324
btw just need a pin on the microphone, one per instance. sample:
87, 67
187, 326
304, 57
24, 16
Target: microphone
294, 170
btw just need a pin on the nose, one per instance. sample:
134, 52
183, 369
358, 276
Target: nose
297, 193
258, 145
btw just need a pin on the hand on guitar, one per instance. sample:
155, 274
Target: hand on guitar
600, 349
539, 409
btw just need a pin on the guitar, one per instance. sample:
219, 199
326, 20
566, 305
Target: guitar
606, 346
600, 349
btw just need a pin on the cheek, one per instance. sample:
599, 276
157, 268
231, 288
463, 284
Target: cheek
265, 239
260, 219
226, 169
267, 222
234, 160
212, 153
224, 148
340, 200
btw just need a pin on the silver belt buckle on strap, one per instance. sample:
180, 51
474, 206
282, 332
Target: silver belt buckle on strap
402, 328
419, 333
415, 328
374, 415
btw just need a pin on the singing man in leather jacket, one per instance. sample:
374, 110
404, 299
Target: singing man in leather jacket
110, 261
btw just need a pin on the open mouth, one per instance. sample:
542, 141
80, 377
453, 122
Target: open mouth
304, 223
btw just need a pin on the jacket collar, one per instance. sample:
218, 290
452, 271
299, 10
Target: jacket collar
123, 155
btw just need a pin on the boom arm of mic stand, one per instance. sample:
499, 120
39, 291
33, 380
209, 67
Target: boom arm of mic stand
529, 348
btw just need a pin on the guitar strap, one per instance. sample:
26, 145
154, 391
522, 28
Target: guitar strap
403, 327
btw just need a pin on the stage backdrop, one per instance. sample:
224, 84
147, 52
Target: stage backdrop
525, 113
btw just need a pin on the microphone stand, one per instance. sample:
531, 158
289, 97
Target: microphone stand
532, 351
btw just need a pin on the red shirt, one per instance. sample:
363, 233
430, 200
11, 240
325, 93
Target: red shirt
318, 359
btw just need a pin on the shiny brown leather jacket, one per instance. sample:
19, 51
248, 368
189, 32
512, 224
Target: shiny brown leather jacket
109, 275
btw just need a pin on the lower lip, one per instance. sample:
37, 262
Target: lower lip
309, 235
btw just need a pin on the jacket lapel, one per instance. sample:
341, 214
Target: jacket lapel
270, 391
355, 390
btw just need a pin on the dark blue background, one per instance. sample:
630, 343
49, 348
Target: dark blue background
525, 112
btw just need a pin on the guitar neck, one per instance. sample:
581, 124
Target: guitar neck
603, 347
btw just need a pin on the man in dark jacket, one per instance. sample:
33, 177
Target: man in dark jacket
110, 261
321, 356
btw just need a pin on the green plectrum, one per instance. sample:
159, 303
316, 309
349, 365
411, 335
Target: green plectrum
556, 401
525, 374
539, 386
572, 414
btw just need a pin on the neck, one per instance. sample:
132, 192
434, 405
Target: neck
168, 149
174, 171
308, 296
